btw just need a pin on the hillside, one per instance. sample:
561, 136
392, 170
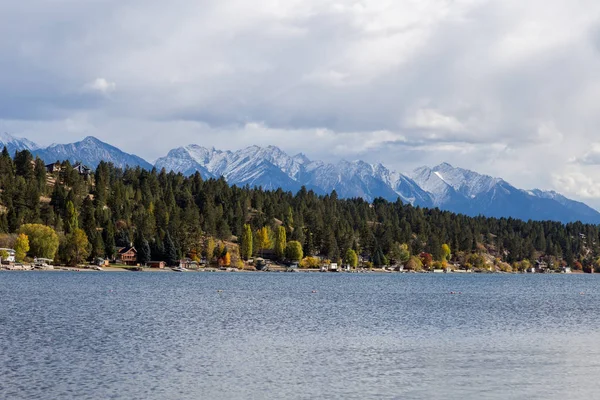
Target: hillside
175, 216
444, 186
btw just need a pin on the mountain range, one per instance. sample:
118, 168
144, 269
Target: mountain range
444, 186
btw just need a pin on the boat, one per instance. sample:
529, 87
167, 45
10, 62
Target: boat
179, 269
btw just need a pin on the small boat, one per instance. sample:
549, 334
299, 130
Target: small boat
179, 269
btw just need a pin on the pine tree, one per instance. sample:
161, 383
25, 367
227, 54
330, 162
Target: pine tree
170, 251
143, 250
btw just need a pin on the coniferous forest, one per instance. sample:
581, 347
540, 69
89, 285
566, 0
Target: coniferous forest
169, 216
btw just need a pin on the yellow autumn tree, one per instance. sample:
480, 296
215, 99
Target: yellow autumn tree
263, 237
21, 247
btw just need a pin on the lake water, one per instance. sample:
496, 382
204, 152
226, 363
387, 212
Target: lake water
268, 336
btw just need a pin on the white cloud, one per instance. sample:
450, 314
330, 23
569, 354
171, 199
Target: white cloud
434, 120
590, 157
505, 87
578, 183
101, 85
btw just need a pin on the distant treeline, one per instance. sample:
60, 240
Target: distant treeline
116, 207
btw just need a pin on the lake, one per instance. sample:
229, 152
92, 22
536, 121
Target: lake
268, 336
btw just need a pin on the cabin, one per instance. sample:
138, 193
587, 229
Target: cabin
333, 267
53, 168
127, 255
157, 264
11, 255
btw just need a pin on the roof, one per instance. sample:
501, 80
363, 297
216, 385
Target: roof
123, 250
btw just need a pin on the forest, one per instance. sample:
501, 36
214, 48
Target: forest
74, 217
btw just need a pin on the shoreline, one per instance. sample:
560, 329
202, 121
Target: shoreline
276, 270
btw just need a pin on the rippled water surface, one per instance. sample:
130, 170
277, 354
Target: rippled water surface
268, 336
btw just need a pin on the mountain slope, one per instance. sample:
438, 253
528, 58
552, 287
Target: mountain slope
91, 151
14, 144
271, 168
465, 191
444, 186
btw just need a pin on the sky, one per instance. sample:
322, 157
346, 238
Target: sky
509, 88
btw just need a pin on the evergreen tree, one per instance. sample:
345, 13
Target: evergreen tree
143, 250
170, 251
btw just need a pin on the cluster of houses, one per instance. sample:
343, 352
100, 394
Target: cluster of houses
56, 167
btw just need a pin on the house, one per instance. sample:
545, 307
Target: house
11, 255
82, 169
53, 168
157, 264
127, 255
188, 263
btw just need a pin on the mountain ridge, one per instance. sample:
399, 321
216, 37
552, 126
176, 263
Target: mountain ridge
444, 186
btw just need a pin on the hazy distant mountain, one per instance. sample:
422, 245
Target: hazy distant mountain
91, 151
16, 144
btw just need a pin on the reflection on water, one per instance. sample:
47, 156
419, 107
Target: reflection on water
268, 336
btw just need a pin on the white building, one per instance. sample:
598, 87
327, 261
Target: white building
11, 255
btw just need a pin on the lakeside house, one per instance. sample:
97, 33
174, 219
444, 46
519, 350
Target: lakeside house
188, 263
157, 264
127, 255
11, 255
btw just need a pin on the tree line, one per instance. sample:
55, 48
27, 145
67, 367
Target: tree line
168, 216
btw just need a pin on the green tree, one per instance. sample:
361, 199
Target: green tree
280, 242
143, 250
351, 258
170, 251
76, 247
71, 219
400, 252
43, 240
21, 247
246, 245
293, 251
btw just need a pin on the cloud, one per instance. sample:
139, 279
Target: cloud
590, 157
505, 87
433, 120
101, 85
581, 184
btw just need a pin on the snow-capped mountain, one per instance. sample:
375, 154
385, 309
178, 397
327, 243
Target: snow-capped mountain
16, 144
90, 151
271, 168
444, 186
465, 191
